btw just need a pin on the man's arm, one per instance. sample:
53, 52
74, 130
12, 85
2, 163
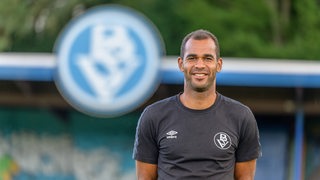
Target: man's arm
245, 170
146, 171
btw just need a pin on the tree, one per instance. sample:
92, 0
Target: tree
245, 28
32, 25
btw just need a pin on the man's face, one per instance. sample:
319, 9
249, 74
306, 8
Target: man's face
200, 64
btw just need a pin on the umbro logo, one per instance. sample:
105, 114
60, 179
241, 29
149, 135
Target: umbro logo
172, 134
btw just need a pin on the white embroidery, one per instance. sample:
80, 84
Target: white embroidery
222, 140
172, 134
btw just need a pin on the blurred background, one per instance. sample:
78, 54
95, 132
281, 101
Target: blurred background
43, 138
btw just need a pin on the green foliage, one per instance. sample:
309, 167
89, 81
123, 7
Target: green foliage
245, 28
28, 25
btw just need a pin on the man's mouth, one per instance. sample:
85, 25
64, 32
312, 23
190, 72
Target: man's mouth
199, 74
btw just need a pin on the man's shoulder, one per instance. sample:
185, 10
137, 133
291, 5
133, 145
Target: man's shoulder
236, 109
163, 103
159, 108
233, 103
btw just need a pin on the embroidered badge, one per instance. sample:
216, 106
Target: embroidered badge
222, 140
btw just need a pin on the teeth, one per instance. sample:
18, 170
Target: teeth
199, 74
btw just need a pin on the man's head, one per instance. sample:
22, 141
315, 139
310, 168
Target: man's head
200, 61
199, 35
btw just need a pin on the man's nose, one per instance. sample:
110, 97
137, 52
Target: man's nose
200, 62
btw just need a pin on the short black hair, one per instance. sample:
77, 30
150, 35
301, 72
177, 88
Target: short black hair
200, 34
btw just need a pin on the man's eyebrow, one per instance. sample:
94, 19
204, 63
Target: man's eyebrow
204, 55
208, 55
188, 55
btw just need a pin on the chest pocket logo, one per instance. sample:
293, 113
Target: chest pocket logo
222, 140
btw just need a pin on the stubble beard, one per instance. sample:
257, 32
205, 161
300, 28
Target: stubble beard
199, 88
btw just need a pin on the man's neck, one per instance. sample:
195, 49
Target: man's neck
198, 100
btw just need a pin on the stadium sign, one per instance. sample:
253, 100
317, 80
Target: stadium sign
108, 61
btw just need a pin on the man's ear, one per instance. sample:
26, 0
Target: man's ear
219, 64
180, 64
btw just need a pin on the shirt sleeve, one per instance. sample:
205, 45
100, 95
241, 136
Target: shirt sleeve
249, 147
145, 145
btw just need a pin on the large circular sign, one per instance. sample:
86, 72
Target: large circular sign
108, 61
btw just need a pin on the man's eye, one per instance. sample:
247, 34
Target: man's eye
191, 58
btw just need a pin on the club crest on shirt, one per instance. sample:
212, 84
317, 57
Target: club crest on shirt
222, 140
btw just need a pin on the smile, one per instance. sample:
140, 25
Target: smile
199, 75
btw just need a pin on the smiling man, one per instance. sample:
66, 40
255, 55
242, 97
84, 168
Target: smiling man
199, 133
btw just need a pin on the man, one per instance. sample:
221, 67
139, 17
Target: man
199, 133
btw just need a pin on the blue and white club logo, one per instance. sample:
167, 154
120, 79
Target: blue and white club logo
108, 61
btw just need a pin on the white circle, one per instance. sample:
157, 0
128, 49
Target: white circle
140, 92
222, 140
